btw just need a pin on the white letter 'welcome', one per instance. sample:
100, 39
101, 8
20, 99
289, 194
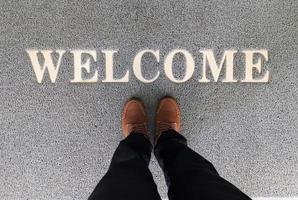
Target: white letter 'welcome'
81, 66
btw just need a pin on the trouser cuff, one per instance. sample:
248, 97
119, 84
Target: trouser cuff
170, 135
140, 144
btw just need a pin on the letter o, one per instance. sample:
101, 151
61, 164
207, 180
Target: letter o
190, 65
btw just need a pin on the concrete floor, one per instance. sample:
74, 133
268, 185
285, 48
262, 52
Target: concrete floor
57, 139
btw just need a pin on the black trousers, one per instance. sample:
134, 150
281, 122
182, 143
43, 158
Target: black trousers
188, 175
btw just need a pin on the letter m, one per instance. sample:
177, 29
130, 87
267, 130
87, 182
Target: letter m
47, 64
228, 58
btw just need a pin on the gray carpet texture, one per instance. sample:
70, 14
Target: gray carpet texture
57, 139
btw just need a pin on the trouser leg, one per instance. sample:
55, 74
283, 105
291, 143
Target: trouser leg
190, 176
128, 177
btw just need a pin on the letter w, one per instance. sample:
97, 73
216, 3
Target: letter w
48, 64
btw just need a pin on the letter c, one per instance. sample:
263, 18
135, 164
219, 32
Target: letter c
137, 68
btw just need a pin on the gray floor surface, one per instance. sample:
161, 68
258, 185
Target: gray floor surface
57, 139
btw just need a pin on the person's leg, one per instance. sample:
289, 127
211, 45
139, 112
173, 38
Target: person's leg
128, 177
188, 175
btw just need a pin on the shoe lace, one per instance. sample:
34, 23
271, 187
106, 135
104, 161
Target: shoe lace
165, 126
139, 128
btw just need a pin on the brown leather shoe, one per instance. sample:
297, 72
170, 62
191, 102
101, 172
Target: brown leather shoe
167, 116
134, 117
